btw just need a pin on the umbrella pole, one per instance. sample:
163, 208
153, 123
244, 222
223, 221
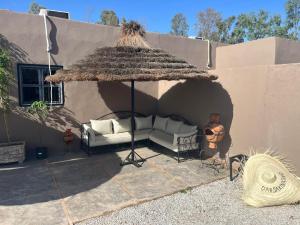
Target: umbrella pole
133, 157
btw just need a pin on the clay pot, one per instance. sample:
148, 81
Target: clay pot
68, 136
214, 133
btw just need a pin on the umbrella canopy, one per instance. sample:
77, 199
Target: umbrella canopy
131, 59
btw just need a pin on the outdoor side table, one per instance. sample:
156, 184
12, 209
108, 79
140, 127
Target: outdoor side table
241, 159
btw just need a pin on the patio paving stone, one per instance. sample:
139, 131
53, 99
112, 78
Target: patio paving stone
183, 173
103, 198
150, 184
33, 210
163, 159
74, 187
73, 178
206, 174
115, 168
23, 182
79, 171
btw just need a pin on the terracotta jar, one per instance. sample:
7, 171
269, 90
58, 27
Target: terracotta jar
68, 136
214, 131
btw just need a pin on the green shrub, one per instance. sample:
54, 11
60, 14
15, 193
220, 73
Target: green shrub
39, 109
5, 81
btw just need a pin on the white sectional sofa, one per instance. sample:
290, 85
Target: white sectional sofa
172, 134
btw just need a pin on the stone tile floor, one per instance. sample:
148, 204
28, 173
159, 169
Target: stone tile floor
71, 188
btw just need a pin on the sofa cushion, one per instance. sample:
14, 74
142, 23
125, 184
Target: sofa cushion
164, 139
124, 137
173, 126
184, 128
142, 123
160, 123
142, 134
122, 125
109, 139
102, 126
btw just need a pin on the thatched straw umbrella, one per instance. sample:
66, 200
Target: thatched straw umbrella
132, 59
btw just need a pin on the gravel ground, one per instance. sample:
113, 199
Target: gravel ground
215, 203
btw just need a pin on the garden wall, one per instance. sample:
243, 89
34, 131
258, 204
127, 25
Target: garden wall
24, 35
266, 108
257, 91
259, 103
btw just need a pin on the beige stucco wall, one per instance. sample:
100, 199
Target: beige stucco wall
195, 51
267, 51
73, 40
266, 110
259, 52
256, 94
287, 51
259, 107
24, 35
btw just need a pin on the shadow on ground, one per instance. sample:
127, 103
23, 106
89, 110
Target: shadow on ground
36, 181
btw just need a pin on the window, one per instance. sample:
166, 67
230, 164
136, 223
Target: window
33, 87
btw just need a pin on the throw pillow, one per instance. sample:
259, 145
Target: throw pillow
101, 126
143, 123
173, 126
184, 128
122, 125
160, 123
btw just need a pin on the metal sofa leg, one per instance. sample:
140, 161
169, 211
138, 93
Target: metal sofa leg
201, 151
87, 149
230, 169
188, 155
88, 145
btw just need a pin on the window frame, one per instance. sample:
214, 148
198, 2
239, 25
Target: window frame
41, 85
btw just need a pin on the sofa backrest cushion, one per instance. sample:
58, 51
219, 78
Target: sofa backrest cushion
102, 126
142, 123
173, 126
184, 128
160, 123
122, 125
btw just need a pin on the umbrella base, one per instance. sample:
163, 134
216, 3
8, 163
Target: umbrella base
134, 159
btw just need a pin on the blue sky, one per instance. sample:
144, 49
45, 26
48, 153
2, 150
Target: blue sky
155, 15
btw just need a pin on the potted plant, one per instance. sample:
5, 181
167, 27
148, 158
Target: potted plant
40, 110
9, 151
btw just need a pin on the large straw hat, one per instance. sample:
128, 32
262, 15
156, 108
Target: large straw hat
267, 182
